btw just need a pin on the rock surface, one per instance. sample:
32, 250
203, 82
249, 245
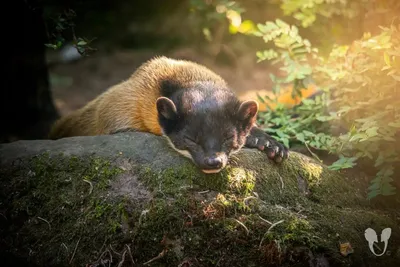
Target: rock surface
130, 200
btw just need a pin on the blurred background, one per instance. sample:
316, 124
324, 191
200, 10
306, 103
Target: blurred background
326, 72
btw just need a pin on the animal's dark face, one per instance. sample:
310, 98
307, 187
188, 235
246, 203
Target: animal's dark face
207, 128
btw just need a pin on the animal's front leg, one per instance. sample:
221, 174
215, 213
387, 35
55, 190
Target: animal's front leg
264, 142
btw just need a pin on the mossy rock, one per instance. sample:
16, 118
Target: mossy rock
129, 198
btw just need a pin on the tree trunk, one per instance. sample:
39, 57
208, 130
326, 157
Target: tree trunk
27, 107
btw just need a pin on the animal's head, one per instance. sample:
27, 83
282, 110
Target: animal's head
206, 126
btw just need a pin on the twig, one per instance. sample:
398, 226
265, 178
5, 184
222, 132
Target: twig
102, 254
130, 254
247, 198
100, 259
160, 189
123, 258
270, 223
257, 196
111, 258
300, 211
274, 224
219, 260
203, 192
104, 243
142, 214
65, 246
114, 250
269, 229
91, 185
3, 216
280, 177
161, 255
40, 218
244, 226
73, 255
313, 154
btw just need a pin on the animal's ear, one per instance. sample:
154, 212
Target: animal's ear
248, 111
166, 108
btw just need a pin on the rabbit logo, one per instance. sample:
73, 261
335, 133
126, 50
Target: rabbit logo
371, 237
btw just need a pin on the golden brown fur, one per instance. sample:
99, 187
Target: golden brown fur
132, 103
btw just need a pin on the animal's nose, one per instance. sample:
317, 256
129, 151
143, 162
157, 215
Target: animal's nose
214, 162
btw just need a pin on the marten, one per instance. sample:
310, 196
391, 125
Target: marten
184, 101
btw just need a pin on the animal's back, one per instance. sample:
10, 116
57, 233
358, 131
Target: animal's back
132, 103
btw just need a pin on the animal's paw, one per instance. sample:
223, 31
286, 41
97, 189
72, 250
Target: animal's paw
264, 142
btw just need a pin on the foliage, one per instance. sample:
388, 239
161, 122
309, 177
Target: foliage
306, 11
360, 90
214, 13
355, 115
338, 21
60, 24
291, 50
366, 78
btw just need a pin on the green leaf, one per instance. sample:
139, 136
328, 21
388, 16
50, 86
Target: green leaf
51, 46
386, 58
394, 124
380, 160
343, 163
372, 194
389, 138
374, 186
388, 190
308, 133
281, 23
396, 77
286, 142
260, 98
371, 132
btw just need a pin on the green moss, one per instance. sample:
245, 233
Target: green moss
174, 180
229, 226
66, 200
233, 223
241, 181
169, 181
191, 228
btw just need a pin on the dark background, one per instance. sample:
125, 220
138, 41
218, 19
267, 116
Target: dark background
41, 84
